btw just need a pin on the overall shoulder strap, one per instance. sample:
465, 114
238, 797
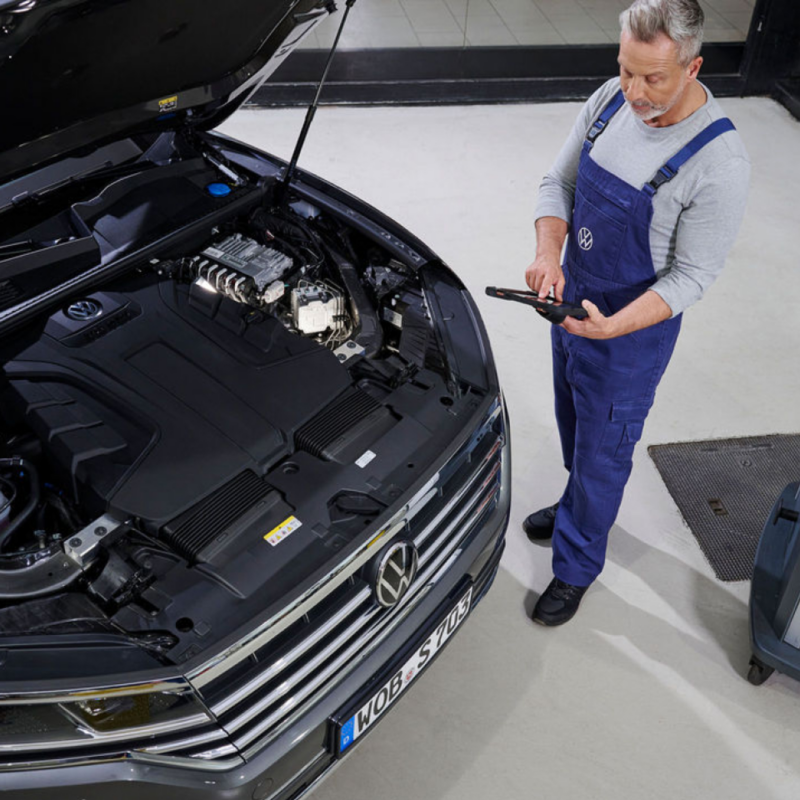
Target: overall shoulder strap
670, 169
600, 123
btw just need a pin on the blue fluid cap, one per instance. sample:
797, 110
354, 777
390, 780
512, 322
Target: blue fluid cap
218, 189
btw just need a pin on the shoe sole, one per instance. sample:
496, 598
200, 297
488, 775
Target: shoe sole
545, 624
538, 537
538, 533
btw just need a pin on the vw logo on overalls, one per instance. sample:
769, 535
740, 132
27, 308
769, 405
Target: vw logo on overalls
83, 310
396, 572
585, 239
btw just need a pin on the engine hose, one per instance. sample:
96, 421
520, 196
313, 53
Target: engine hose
370, 333
34, 492
262, 221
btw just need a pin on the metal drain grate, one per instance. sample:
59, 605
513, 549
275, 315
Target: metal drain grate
725, 490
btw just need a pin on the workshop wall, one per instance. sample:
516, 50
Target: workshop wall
496, 51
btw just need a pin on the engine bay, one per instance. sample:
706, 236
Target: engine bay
208, 429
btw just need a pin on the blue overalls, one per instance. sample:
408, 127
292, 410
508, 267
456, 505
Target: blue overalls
605, 388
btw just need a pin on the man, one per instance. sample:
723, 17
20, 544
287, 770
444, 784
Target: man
651, 186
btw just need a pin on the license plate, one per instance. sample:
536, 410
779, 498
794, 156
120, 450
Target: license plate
376, 706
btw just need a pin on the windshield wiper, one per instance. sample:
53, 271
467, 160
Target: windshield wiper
12, 249
105, 172
62, 173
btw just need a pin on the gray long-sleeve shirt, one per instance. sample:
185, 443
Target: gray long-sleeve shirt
696, 216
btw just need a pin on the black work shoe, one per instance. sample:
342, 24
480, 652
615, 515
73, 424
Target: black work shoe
540, 524
558, 603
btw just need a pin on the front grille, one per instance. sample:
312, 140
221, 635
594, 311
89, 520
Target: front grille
257, 699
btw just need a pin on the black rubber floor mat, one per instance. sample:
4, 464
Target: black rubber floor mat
725, 489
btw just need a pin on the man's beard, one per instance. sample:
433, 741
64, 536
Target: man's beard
648, 111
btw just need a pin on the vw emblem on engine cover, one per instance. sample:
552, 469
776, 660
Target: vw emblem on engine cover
83, 310
396, 571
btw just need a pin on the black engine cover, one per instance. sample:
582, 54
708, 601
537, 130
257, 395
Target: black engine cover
165, 396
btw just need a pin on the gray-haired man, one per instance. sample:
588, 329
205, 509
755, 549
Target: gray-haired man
651, 185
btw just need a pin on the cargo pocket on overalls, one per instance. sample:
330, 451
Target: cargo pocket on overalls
598, 238
623, 430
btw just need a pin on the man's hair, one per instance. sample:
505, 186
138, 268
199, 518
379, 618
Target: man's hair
681, 20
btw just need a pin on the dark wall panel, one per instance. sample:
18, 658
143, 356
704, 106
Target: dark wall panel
773, 45
470, 75
767, 64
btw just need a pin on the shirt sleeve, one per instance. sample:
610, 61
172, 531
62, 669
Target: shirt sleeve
557, 189
707, 229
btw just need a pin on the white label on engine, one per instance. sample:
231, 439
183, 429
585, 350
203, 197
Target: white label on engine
365, 459
314, 317
286, 528
390, 315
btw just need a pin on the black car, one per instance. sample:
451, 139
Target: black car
255, 462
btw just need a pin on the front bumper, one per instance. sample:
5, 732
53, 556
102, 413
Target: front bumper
303, 754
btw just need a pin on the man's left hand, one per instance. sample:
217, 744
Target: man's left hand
643, 312
595, 326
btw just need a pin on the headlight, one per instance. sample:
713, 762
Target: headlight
86, 721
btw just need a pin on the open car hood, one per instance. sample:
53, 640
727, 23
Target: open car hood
77, 73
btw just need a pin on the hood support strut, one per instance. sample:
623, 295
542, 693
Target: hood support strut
313, 107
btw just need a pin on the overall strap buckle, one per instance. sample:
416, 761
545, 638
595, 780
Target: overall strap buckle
670, 169
596, 130
602, 121
664, 175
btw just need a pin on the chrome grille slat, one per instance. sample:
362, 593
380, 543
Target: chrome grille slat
287, 686
451, 526
212, 765
302, 648
183, 744
217, 752
431, 526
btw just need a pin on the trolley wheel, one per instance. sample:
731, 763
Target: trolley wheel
758, 672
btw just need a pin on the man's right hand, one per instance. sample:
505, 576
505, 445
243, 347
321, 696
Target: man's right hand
544, 273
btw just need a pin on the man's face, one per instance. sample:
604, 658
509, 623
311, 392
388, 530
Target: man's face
652, 79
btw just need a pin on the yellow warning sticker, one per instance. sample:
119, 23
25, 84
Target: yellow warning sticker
168, 104
286, 528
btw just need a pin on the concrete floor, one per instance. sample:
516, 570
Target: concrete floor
643, 694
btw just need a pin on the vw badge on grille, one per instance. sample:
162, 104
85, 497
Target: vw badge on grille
84, 310
396, 572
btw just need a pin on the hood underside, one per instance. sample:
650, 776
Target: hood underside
76, 73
